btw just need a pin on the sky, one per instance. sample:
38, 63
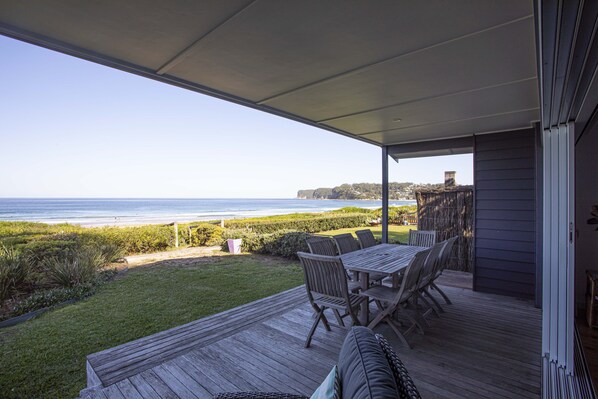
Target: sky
72, 128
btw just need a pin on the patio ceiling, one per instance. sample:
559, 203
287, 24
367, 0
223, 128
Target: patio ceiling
388, 72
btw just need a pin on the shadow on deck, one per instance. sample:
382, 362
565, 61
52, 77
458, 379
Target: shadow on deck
484, 346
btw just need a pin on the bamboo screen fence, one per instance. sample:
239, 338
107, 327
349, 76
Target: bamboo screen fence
450, 213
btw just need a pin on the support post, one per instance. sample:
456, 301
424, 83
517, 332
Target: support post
384, 194
176, 234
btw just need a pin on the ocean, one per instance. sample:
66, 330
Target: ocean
137, 211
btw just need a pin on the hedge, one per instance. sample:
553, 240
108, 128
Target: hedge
313, 225
284, 243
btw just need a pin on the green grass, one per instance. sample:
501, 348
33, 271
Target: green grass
395, 233
45, 357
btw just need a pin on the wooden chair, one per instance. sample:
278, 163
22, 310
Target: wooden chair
322, 246
392, 301
443, 263
428, 274
345, 243
326, 246
422, 238
326, 284
366, 238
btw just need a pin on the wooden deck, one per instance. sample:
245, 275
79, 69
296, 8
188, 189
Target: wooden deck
484, 346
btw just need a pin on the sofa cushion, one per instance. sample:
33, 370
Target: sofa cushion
363, 367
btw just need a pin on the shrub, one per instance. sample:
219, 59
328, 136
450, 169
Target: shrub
51, 297
14, 269
284, 243
396, 214
137, 239
47, 298
310, 225
353, 209
206, 234
252, 242
112, 252
38, 251
79, 267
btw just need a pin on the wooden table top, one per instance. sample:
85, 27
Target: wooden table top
383, 258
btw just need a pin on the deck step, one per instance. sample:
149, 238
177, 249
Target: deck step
115, 364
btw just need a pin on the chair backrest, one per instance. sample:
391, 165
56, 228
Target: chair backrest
346, 243
431, 264
422, 238
445, 256
366, 238
411, 277
324, 275
322, 246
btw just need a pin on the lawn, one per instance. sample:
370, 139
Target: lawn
395, 233
45, 357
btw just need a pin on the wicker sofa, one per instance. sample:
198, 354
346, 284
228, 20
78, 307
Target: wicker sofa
368, 368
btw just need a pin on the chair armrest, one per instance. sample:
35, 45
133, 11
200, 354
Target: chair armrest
258, 395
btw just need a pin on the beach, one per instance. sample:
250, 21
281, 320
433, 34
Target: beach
95, 212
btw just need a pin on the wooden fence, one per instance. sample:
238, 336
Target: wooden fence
449, 213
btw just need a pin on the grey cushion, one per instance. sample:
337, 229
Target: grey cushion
363, 367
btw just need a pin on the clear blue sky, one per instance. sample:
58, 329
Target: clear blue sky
71, 128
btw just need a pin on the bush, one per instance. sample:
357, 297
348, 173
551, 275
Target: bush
112, 252
206, 234
14, 270
396, 214
79, 267
51, 297
38, 251
284, 243
252, 242
137, 239
353, 209
310, 225
47, 298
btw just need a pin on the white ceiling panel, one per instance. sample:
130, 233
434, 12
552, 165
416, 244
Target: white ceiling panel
489, 58
506, 98
485, 124
445, 68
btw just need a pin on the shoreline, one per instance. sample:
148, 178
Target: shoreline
147, 212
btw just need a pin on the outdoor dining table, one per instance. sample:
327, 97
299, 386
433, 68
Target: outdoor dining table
389, 259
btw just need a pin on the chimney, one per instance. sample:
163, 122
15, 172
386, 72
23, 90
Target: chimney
449, 179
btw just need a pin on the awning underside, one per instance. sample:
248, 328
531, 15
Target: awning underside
387, 72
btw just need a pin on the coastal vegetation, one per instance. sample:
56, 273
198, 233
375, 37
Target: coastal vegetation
42, 265
366, 191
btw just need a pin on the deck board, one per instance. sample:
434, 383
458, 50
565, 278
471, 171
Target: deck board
483, 346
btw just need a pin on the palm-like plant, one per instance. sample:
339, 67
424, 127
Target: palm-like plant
14, 270
80, 267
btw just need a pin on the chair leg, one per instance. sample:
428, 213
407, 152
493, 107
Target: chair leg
446, 299
379, 317
429, 305
324, 319
402, 338
430, 297
414, 322
339, 319
313, 327
354, 318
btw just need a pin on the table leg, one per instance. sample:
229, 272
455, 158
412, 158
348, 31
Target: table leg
395, 280
364, 313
